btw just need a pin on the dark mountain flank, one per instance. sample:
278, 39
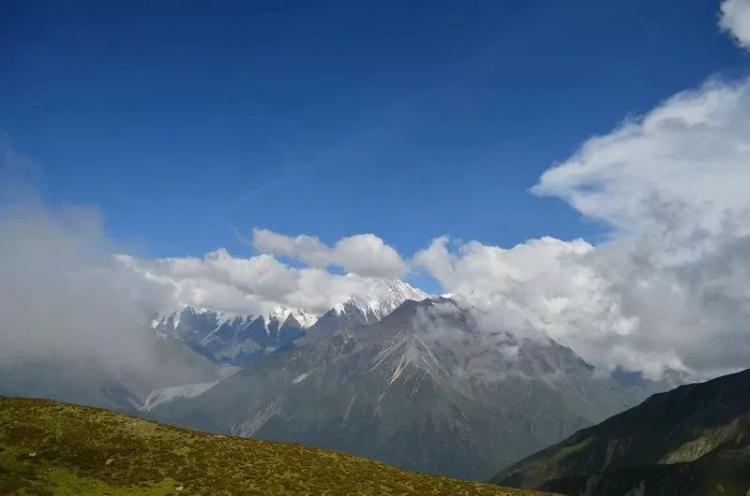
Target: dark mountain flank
693, 440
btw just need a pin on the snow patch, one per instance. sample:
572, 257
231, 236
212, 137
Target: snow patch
381, 298
171, 393
301, 377
257, 420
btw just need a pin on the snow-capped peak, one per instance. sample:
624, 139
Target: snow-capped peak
304, 319
279, 313
381, 298
233, 338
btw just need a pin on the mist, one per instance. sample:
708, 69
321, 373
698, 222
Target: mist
61, 292
75, 321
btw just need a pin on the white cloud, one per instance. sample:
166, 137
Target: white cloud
735, 18
684, 163
478, 270
367, 255
541, 287
308, 249
363, 254
250, 285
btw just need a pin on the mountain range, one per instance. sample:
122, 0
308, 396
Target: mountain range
425, 388
239, 339
394, 375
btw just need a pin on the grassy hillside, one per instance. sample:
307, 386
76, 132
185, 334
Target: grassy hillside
50, 448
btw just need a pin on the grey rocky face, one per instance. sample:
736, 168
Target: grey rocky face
235, 340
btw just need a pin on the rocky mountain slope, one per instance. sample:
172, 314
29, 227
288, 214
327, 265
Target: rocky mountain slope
693, 440
425, 389
55, 448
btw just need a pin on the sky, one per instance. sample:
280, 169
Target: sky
577, 170
188, 123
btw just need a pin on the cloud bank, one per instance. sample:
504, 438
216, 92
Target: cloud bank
674, 186
75, 321
61, 292
257, 284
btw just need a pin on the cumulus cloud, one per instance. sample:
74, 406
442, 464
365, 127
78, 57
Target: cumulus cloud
683, 164
735, 19
363, 254
257, 284
252, 285
480, 271
308, 249
540, 287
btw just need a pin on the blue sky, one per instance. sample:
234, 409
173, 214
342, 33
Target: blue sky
186, 123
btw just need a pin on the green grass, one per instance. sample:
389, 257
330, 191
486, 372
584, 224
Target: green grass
51, 448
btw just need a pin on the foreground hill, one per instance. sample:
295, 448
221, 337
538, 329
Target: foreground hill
425, 388
56, 448
694, 440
